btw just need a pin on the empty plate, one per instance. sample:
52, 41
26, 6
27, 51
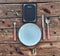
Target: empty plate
29, 34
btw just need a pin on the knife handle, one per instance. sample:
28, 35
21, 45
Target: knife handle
48, 32
44, 34
14, 34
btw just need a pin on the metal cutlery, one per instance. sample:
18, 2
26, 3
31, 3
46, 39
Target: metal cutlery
14, 23
33, 51
43, 28
47, 20
14, 31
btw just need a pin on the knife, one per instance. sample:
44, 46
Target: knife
43, 28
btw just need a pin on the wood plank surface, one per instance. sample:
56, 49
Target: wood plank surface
46, 47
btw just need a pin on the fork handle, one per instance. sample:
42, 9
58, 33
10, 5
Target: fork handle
44, 34
48, 32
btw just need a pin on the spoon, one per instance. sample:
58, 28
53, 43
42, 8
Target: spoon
14, 23
47, 20
14, 30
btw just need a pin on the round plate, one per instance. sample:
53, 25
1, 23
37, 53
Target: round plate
29, 34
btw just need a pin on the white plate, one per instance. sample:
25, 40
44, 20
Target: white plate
29, 34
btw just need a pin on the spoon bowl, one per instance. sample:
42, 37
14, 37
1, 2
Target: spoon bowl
47, 20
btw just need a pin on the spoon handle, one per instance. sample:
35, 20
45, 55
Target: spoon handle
48, 32
14, 32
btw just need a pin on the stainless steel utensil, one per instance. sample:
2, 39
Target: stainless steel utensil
14, 30
47, 20
43, 28
14, 23
33, 51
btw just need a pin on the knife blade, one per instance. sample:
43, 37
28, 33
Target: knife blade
43, 28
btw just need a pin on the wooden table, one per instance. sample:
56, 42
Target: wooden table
46, 47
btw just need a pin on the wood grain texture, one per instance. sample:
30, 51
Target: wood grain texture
49, 47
